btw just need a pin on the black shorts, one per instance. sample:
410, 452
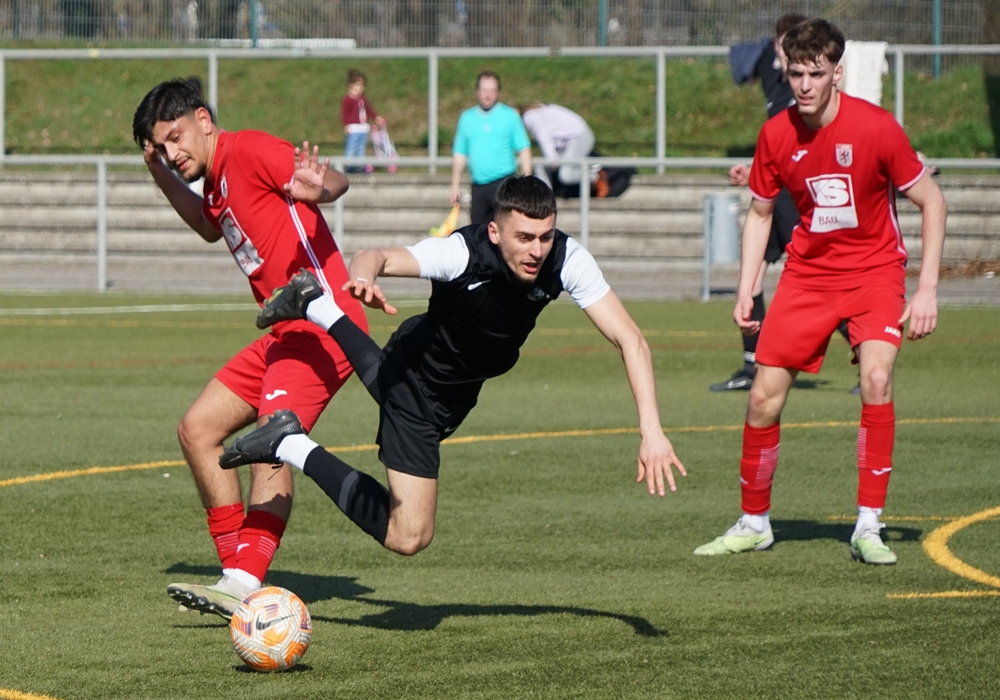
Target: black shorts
783, 221
414, 420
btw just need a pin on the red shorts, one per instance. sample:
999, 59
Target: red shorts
301, 371
799, 322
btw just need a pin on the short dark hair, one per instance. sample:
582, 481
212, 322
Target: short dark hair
165, 103
808, 40
354, 76
527, 195
786, 22
487, 74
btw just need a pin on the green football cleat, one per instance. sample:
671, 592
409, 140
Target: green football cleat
867, 547
289, 302
206, 599
739, 538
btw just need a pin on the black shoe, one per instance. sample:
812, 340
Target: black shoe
261, 445
741, 381
856, 390
290, 302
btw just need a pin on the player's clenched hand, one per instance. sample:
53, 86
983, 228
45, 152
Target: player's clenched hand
922, 314
656, 457
369, 294
741, 314
307, 183
739, 175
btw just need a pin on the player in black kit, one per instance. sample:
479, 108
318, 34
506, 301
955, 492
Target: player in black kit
489, 283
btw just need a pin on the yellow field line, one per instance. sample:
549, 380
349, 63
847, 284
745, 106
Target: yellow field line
936, 546
470, 439
15, 695
943, 594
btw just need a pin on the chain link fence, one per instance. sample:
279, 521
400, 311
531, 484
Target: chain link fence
473, 23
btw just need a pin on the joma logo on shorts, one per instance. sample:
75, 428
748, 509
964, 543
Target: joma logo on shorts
893, 331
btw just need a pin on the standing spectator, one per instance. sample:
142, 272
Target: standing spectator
355, 112
562, 133
765, 60
490, 137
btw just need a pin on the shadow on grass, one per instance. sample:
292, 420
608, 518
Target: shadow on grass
804, 530
403, 616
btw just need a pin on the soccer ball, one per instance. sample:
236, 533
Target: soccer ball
271, 629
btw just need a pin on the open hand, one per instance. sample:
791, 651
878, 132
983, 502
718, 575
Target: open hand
308, 180
369, 294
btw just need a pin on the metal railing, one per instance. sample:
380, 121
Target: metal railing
433, 55
101, 163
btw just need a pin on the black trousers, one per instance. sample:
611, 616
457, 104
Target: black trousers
482, 201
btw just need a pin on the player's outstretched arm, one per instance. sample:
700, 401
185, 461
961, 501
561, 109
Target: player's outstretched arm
312, 181
185, 202
656, 454
756, 230
370, 264
922, 309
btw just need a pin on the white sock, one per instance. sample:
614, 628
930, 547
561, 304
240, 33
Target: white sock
323, 311
241, 579
757, 522
867, 518
295, 448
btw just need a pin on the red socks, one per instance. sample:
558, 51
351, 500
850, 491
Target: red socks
875, 440
224, 523
259, 539
760, 457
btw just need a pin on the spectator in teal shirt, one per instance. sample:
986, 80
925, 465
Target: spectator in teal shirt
490, 137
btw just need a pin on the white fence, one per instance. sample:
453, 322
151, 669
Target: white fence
433, 159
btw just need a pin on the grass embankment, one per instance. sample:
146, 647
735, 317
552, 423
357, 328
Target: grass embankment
87, 106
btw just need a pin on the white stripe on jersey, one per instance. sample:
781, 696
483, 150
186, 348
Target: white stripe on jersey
305, 244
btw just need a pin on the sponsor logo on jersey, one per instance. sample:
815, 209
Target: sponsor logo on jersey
275, 394
893, 331
537, 294
834, 198
798, 156
477, 285
239, 244
845, 154
224, 188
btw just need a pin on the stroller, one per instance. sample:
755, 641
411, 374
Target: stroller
384, 148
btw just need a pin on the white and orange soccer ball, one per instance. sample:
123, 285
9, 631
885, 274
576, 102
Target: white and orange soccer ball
271, 629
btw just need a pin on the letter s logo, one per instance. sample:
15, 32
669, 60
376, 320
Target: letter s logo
830, 192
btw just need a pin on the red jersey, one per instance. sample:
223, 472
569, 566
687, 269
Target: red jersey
843, 178
356, 110
269, 234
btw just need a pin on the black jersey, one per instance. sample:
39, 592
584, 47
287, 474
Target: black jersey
476, 324
772, 80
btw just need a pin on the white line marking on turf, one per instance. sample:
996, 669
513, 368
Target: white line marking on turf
145, 309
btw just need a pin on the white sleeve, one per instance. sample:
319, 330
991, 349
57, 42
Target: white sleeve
581, 277
441, 259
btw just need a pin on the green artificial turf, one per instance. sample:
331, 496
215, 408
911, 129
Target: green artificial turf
552, 574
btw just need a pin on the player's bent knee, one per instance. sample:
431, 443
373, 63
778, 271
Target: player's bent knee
410, 543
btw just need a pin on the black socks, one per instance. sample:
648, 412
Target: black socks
362, 352
362, 499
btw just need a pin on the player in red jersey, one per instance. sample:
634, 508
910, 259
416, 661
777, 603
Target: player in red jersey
843, 160
260, 196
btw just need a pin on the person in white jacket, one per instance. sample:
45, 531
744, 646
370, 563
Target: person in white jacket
562, 133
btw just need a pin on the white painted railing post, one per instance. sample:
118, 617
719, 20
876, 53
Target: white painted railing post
3, 109
661, 108
899, 86
213, 83
432, 108
102, 225
585, 203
